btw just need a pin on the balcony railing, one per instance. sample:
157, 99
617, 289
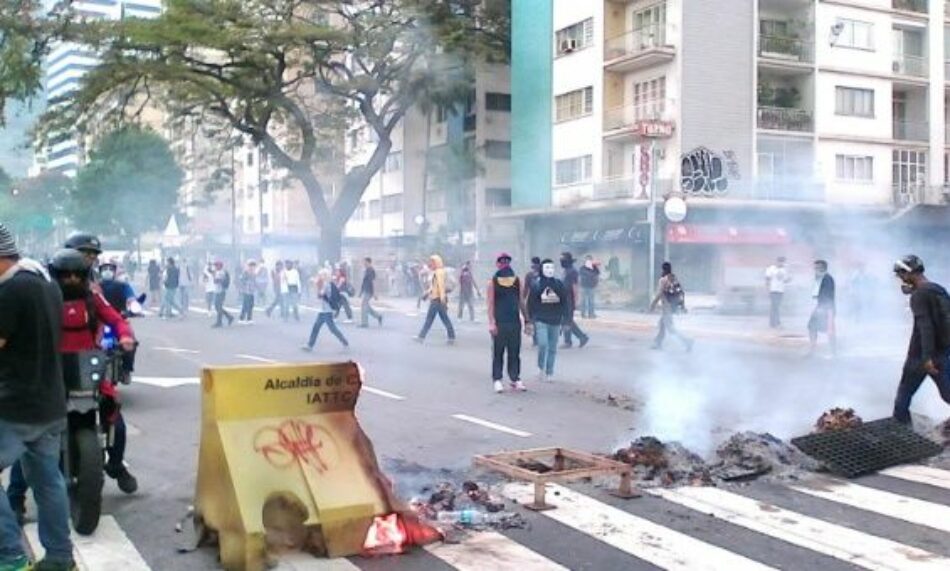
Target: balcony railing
571, 194
791, 49
919, 6
627, 116
784, 119
905, 64
635, 41
911, 130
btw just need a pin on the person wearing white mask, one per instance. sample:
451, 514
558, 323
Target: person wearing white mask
549, 312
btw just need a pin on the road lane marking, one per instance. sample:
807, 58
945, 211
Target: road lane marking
307, 562
849, 545
176, 350
491, 550
492, 425
107, 548
912, 510
200, 310
382, 393
661, 546
920, 474
256, 358
166, 382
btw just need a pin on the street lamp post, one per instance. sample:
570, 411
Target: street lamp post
651, 219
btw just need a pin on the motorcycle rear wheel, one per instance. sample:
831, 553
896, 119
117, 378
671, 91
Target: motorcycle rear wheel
85, 491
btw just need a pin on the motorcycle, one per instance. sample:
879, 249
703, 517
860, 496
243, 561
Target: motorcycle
88, 434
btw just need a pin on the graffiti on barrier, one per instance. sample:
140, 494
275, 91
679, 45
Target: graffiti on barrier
297, 442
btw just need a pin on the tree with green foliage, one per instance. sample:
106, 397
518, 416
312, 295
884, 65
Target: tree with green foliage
129, 185
291, 76
31, 207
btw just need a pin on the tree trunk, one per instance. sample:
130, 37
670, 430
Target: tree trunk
331, 242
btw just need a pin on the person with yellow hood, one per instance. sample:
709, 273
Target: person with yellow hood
438, 295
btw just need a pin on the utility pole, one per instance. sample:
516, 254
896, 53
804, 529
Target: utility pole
651, 219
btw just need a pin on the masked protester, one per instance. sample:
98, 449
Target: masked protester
823, 316
85, 312
929, 350
549, 312
438, 294
505, 308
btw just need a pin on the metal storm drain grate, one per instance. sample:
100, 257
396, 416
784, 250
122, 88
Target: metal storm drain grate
868, 448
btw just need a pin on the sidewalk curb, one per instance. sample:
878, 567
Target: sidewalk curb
702, 333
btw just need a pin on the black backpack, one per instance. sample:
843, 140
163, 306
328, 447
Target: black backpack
675, 294
335, 300
226, 281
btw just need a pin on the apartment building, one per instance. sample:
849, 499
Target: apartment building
463, 165
65, 66
767, 116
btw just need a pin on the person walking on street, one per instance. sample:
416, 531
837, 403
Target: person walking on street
154, 275
776, 278
261, 279
247, 286
32, 408
468, 289
928, 353
670, 297
171, 282
279, 281
222, 282
438, 300
548, 313
571, 282
329, 300
342, 279
208, 278
368, 294
529, 278
589, 280
186, 281
822, 318
505, 310
424, 281
294, 287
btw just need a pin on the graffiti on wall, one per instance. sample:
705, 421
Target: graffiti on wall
706, 172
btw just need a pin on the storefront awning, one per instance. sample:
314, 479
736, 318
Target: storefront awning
631, 235
737, 235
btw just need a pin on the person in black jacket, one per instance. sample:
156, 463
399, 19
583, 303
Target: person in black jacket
823, 316
549, 312
571, 282
929, 350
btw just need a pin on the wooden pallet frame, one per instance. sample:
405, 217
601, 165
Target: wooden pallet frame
505, 463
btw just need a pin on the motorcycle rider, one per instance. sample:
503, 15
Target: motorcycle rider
90, 247
84, 313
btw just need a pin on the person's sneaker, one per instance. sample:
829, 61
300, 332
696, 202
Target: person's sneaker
21, 563
249, 322
216, 326
47, 565
519, 386
584, 342
499, 387
361, 326
126, 481
348, 320
306, 348
565, 346
418, 339
549, 377
450, 342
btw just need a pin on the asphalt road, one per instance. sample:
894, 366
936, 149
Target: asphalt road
430, 408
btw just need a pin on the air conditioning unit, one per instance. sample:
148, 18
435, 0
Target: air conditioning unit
568, 46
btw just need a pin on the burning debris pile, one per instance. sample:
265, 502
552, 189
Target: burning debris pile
748, 455
659, 464
838, 419
470, 506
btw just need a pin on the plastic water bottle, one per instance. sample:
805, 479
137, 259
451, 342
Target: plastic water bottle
468, 518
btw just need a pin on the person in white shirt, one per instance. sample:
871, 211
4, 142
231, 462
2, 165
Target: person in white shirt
292, 275
776, 278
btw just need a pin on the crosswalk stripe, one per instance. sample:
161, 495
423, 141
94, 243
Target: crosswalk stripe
490, 550
855, 547
107, 548
900, 507
307, 562
639, 537
920, 474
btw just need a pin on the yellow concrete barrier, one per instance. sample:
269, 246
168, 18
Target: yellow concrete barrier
285, 435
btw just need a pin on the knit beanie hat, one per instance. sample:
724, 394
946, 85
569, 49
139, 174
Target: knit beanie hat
7, 243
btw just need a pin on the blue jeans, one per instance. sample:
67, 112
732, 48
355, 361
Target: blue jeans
587, 302
37, 447
911, 379
547, 336
325, 319
169, 302
437, 308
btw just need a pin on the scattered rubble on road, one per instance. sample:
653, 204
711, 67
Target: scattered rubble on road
657, 463
478, 507
838, 419
749, 455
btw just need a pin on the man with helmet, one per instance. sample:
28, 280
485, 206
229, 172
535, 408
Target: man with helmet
84, 314
929, 350
87, 244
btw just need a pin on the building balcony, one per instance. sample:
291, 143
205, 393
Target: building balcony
572, 194
620, 187
908, 194
919, 6
786, 50
911, 131
910, 65
638, 49
649, 119
785, 119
